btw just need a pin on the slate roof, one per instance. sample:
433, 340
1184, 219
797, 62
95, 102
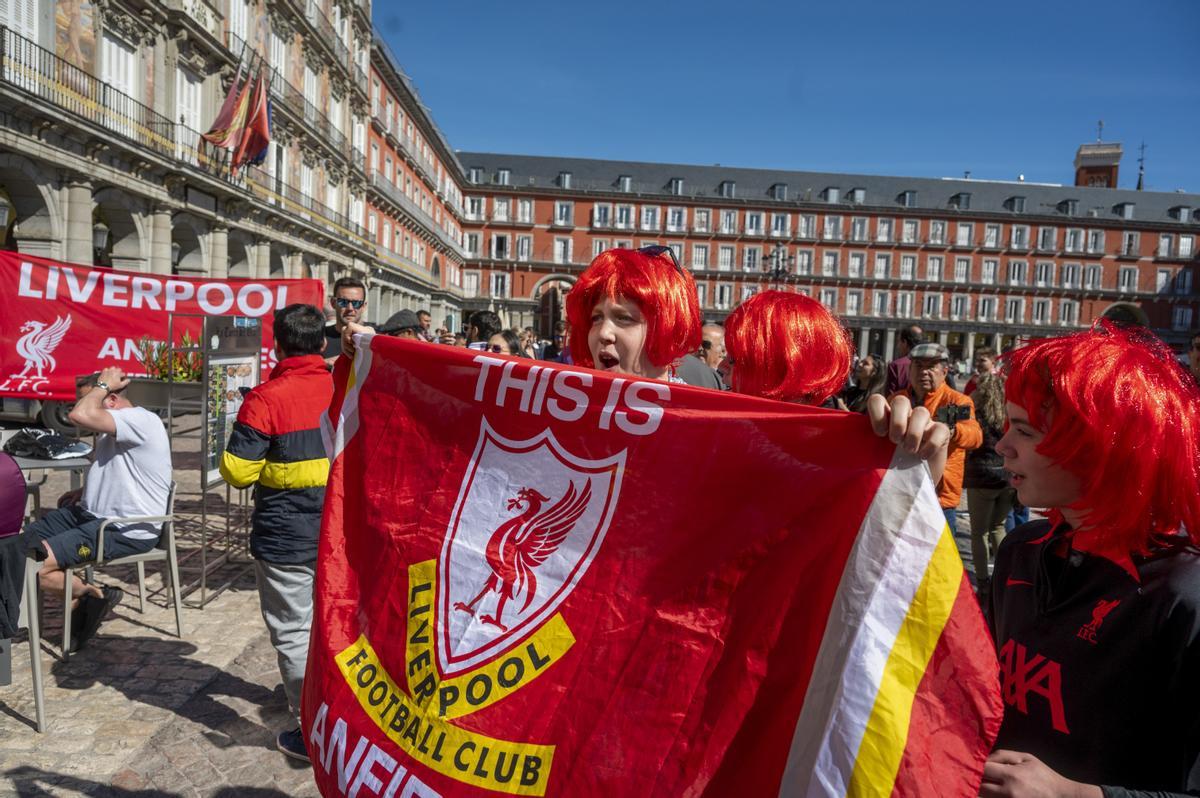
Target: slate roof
881, 192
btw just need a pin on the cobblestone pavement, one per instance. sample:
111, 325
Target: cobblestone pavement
141, 712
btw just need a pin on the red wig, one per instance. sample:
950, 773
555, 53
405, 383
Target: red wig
787, 346
664, 292
1123, 416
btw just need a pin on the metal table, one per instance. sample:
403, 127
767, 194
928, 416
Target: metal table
76, 465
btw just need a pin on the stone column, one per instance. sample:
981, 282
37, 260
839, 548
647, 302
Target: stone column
997, 341
969, 347
261, 267
889, 345
864, 342
218, 266
374, 299
79, 221
160, 240
943, 337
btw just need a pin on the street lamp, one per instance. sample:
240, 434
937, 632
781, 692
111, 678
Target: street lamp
781, 264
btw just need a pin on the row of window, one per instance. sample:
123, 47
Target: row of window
882, 303
393, 172
391, 115
884, 230
1042, 274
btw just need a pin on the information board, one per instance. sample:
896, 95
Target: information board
232, 347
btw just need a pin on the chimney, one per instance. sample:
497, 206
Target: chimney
1096, 164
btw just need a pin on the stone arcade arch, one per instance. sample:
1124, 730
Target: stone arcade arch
277, 263
240, 249
549, 293
34, 218
1127, 313
189, 245
124, 218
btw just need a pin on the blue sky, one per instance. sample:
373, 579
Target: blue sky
904, 88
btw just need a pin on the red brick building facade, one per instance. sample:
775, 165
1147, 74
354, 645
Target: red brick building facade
973, 262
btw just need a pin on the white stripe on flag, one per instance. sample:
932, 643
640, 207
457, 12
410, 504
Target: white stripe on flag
887, 563
336, 440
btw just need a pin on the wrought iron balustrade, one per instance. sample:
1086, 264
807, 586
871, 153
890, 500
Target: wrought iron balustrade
39, 72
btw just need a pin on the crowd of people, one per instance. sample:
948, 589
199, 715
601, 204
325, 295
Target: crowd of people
1094, 607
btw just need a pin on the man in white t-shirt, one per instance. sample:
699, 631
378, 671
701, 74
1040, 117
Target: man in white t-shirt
130, 477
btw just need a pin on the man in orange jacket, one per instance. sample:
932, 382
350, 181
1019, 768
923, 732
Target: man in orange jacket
927, 388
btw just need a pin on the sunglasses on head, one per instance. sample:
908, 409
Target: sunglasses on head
659, 249
342, 302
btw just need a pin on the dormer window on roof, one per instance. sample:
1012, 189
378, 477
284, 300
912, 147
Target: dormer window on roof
503, 176
858, 195
1015, 204
1070, 207
1124, 210
961, 200
475, 174
831, 194
675, 186
1181, 213
907, 198
625, 183
564, 179
728, 189
779, 192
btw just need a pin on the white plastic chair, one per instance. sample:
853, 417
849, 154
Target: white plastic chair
165, 551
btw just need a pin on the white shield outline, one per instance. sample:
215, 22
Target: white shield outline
539, 612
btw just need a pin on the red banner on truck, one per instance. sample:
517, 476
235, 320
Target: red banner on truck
59, 320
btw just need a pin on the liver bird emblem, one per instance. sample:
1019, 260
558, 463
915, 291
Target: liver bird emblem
1099, 613
522, 543
39, 341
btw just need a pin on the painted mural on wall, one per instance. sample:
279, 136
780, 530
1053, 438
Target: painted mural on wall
75, 33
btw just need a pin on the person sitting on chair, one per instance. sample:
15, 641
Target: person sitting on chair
130, 477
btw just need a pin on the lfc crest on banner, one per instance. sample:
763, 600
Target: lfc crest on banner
529, 519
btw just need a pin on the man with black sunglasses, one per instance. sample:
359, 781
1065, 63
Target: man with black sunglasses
349, 303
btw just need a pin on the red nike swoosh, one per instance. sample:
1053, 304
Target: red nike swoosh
1010, 582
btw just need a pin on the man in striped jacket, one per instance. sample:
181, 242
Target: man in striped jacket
276, 442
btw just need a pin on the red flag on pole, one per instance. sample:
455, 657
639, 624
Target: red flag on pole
227, 129
256, 134
545, 580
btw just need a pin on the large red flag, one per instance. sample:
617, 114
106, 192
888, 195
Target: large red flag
544, 580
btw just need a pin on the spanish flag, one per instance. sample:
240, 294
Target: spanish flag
226, 130
540, 579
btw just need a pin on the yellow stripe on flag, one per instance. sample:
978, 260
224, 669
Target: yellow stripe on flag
886, 735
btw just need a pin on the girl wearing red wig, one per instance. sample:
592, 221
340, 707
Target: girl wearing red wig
790, 347
787, 346
1096, 610
633, 311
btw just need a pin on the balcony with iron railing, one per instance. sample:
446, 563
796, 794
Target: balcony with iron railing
406, 146
328, 35
270, 188
43, 76
294, 100
397, 197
